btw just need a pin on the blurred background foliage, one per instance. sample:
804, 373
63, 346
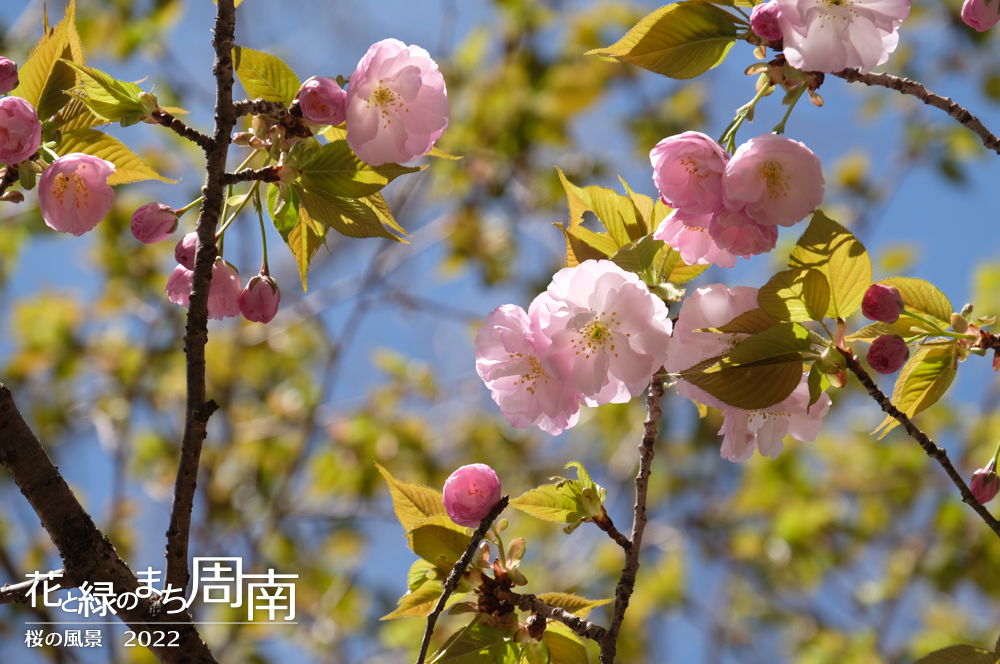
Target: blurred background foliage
845, 550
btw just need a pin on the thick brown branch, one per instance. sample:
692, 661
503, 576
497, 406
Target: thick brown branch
531, 603
933, 451
170, 122
914, 89
266, 174
20, 593
275, 109
626, 585
198, 408
456, 574
87, 554
607, 525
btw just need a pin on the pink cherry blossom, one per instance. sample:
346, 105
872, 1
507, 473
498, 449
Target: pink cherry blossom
608, 333
397, 104
74, 194
259, 300
882, 303
224, 293
470, 493
8, 75
764, 21
981, 14
185, 250
744, 431
709, 306
521, 382
179, 286
153, 222
691, 238
736, 233
831, 36
687, 170
322, 101
888, 353
20, 130
773, 180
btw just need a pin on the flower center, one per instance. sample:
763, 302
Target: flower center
691, 166
62, 182
535, 373
774, 177
596, 335
386, 101
475, 490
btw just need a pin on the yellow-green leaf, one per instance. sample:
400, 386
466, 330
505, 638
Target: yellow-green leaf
106, 96
962, 654
922, 297
782, 297
749, 322
923, 380
419, 602
439, 545
412, 503
44, 77
679, 40
304, 240
748, 387
441, 154
565, 646
347, 216
580, 606
832, 249
777, 340
816, 294
377, 203
128, 166
265, 76
336, 170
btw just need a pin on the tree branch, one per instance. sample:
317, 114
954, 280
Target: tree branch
607, 525
275, 109
170, 122
266, 174
912, 88
20, 593
87, 553
456, 573
9, 178
531, 603
623, 593
933, 451
198, 409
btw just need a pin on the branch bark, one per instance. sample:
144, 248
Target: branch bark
19, 593
626, 586
166, 119
10, 175
456, 574
533, 604
275, 109
607, 525
266, 174
907, 87
198, 409
933, 451
87, 553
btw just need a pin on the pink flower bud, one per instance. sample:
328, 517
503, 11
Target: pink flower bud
882, 303
185, 250
888, 353
20, 130
980, 14
764, 21
179, 286
74, 194
153, 222
8, 76
985, 483
224, 295
470, 493
259, 300
322, 101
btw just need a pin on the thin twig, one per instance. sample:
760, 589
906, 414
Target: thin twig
196, 337
10, 174
170, 122
607, 525
929, 446
275, 109
456, 573
266, 174
914, 89
623, 593
20, 593
532, 604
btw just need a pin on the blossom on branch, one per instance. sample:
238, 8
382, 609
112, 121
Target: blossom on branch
764, 21
153, 223
322, 101
224, 293
8, 75
20, 130
981, 15
692, 239
470, 493
738, 234
74, 194
260, 299
687, 170
888, 353
397, 104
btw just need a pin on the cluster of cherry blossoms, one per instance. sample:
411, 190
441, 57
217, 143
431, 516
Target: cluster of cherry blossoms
395, 108
724, 208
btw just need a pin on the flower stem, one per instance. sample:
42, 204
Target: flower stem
263, 233
503, 556
780, 127
728, 139
180, 211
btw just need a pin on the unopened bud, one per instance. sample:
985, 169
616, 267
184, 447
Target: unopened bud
259, 127
12, 197
959, 324
967, 311
882, 303
148, 103
888, 353
242, 139
985, 483
276, 133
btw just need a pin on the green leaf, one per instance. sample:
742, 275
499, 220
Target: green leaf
815, 386
476, 644
564, 645
830, 248
637, 256
76, 115
345, 215
645, 208
583, 244
336, 170
285, 223
684, 273
904, 327
552, 502
749, 322
420, 573
783, 296
617, 213
304, 240
413, 503
778, 340
419, 602
264, 76
922, 297
923, 380
106, 96
534, 652
748, 387
575, 604
816, 294
962, 654
439, 545
128, 166
381, 209
679, 40
440, 154
44, 76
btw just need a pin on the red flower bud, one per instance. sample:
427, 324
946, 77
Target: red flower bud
985, 483
259, 300
882, 303
888, 353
